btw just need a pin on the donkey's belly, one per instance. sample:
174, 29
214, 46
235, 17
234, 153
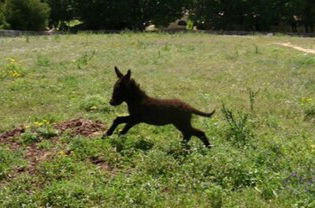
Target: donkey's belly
162, 119
157, 122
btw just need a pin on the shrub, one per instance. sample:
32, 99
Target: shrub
3, 23
239, 131
27, 14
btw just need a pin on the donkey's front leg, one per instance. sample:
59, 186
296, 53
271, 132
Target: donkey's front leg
127, 127
117, 121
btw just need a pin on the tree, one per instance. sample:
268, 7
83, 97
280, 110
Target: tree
3, 23
26, 14
60, 11
131, 14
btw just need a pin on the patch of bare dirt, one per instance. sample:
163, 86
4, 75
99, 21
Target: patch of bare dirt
12, 133
82, 127
33, 154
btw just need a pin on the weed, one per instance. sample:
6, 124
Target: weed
8, 160
252, 97
29, 138
83, 60
12, 70
239, 131
257, 51
47, 132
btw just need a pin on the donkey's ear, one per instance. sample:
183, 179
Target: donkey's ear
118, 73
127, 76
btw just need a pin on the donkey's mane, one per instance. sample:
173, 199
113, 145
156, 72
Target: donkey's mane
135, 89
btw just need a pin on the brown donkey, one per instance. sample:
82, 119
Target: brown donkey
143, 108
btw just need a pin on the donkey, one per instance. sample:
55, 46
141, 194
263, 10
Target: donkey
143, 108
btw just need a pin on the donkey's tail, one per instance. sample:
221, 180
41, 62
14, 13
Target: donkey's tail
197, 112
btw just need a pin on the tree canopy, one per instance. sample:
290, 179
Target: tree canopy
255, 15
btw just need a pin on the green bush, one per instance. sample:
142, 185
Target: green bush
3, 23
27, 14
239, 131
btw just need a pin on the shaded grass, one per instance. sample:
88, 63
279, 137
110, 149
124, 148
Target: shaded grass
68, 76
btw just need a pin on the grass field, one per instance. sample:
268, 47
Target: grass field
263, 131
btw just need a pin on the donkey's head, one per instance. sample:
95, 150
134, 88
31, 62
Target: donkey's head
120, 92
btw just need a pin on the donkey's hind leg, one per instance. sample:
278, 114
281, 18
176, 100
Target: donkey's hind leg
185, 129
202, 136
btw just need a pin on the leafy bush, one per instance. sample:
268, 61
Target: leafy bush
27, 14
118, 14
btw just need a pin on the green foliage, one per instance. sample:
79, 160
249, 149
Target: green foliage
8, 160
29, 138
258, 15
122, 14
12, 70
252, 97
3, 23
66, 194
84, 59
95, 103
43, 61
62, 11
239, 131
26, 14
47, 132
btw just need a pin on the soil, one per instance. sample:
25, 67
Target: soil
33, 154
12, 133
81, 127
289, 45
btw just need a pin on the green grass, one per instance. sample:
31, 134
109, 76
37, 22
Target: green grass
263, 155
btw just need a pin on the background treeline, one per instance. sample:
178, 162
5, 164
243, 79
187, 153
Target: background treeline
254, 15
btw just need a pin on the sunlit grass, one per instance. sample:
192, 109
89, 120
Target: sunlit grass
265, 160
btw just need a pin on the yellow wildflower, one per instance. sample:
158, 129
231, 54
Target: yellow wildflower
62, 153
45, 122
12, 60
15, 74
306, 100
37, 123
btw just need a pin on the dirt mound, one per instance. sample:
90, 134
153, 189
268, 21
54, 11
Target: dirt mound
12, 133
82, 127
33, 154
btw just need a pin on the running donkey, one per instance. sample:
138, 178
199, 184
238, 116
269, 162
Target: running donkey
143, 108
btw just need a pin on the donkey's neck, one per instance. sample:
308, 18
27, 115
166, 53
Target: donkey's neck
136, 94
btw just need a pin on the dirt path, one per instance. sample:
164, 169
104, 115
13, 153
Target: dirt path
305, 50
